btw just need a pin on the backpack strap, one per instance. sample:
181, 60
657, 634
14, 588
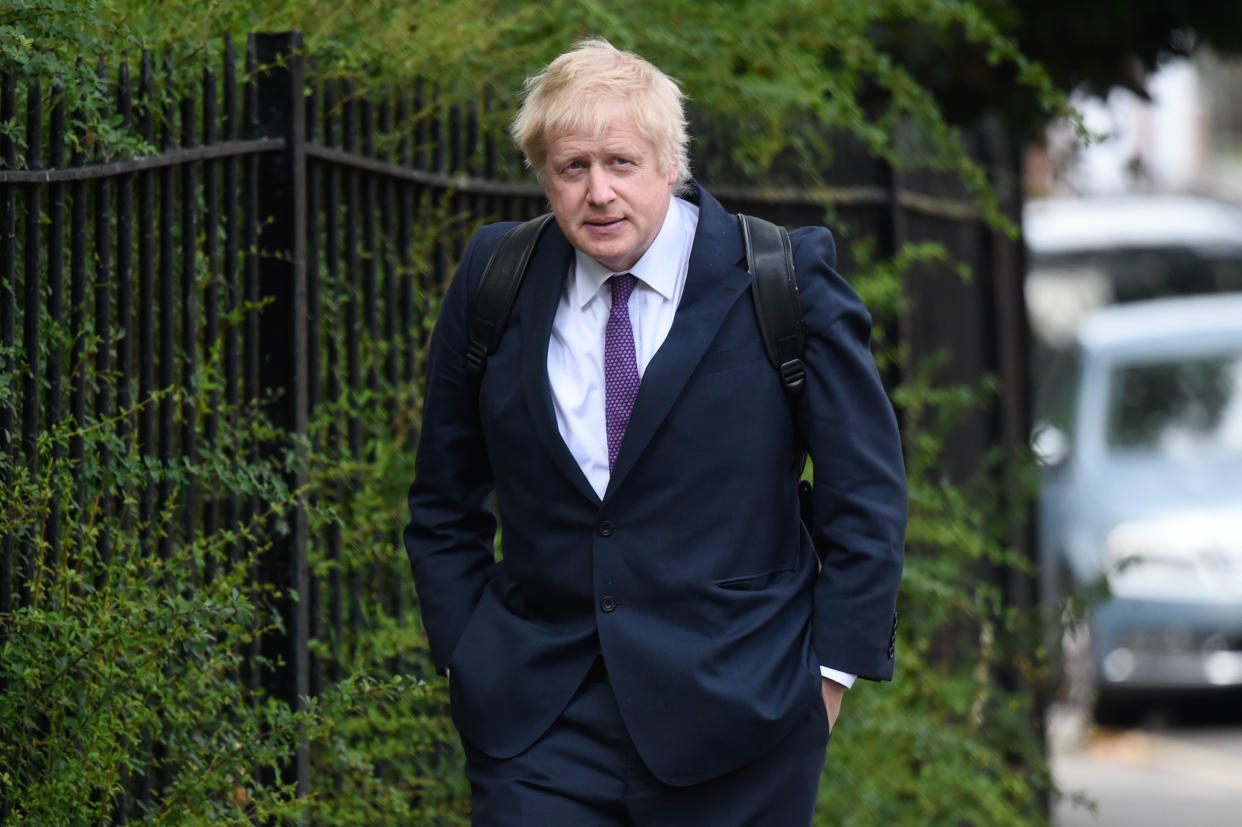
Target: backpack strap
498, 287
769, 258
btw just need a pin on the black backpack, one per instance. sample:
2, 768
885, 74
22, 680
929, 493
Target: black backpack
769, 259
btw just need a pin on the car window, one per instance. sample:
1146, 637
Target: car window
1062, 288
1149, 272
1187, 407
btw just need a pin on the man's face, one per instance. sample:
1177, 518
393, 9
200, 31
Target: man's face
609, 193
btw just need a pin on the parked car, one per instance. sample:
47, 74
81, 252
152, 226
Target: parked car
1139, 435
1085, 253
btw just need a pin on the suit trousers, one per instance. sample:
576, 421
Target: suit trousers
585, 772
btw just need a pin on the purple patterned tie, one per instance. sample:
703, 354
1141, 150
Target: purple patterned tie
620, 364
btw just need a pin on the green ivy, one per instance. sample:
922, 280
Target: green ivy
119, 661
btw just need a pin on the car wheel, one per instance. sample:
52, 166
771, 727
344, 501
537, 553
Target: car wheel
1116, 712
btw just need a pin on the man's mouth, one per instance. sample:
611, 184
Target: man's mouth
604, 223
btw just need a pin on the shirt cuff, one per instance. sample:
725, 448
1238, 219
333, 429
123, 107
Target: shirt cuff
843, 678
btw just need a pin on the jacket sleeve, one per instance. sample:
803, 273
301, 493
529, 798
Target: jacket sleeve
851, 434
451, 531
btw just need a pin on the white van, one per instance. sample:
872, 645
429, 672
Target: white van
1086, 253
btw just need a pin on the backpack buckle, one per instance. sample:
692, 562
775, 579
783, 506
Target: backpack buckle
793, 375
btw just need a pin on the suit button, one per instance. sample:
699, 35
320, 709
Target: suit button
605, 528
607, 603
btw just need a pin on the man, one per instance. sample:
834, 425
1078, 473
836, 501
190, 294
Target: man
658, 643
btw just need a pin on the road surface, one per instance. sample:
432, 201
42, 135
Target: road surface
1181, 766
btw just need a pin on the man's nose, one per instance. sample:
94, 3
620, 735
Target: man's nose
599, 186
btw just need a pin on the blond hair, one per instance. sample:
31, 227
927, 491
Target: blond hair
579, 92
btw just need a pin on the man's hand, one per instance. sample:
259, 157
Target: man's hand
832, 693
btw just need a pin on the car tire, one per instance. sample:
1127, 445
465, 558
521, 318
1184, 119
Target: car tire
1115, 711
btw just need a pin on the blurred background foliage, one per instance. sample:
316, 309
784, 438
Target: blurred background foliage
956, 738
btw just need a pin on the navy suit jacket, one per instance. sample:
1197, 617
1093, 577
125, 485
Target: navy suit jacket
693, 576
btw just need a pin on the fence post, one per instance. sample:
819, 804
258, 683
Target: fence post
281, 113
1000, 150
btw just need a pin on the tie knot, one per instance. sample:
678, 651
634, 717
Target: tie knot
622, 286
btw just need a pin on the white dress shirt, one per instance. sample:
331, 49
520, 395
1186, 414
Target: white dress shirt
576, 348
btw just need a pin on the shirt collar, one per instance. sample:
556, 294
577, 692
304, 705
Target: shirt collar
658, 267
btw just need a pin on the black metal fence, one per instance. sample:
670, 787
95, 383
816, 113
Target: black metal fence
279, 207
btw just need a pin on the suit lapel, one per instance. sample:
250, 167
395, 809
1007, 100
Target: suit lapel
537, 302
713, 283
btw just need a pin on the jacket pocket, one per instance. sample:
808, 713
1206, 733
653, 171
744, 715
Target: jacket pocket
755, 582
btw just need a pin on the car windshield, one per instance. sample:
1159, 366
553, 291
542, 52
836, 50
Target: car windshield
1189, 408
1061, 288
